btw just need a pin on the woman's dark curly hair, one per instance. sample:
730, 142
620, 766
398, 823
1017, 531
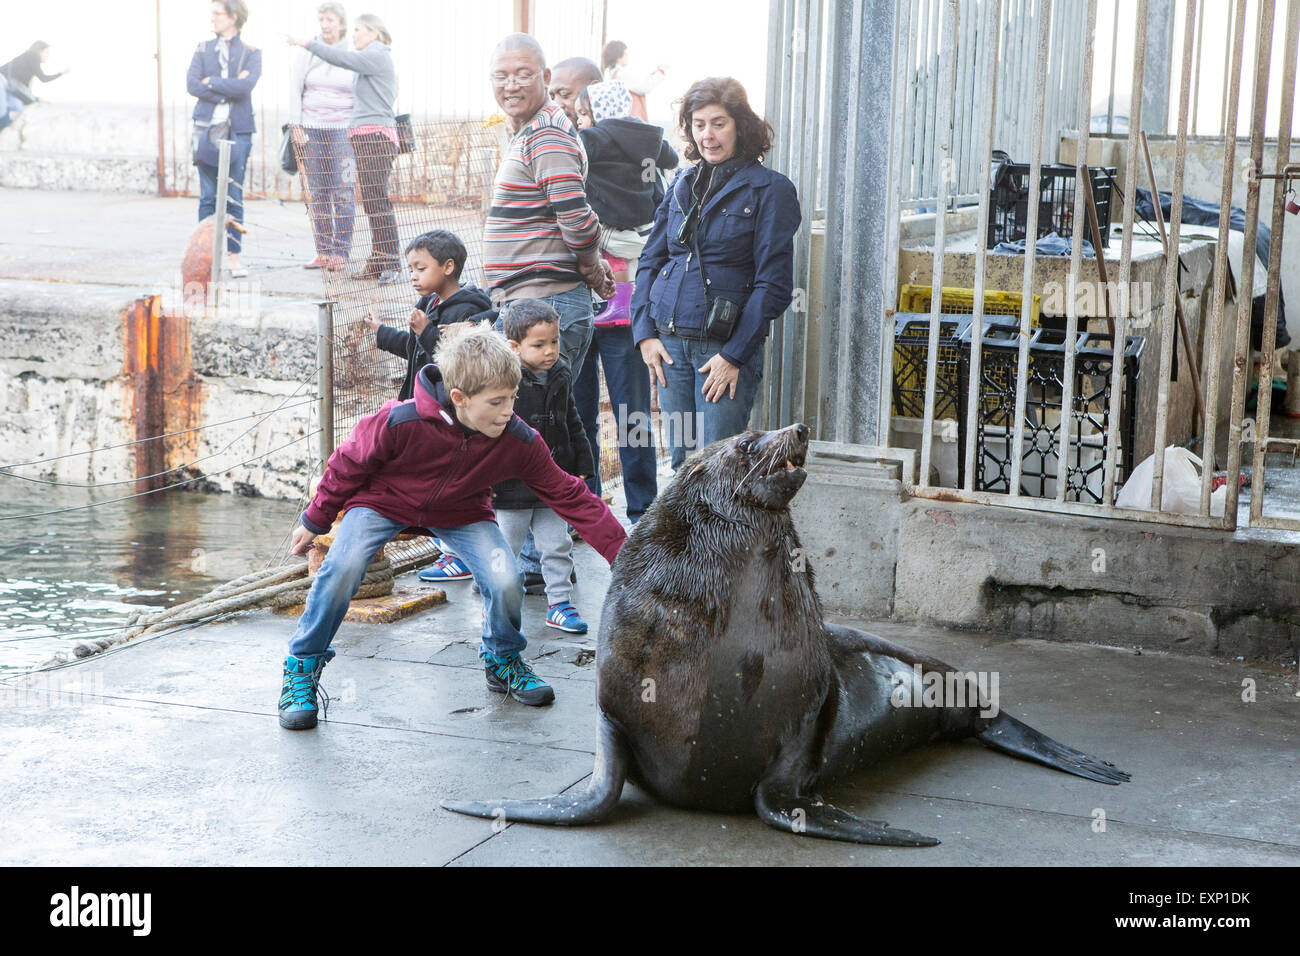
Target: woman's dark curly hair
753, 133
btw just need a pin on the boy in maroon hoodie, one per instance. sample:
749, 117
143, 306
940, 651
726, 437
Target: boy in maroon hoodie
429, 462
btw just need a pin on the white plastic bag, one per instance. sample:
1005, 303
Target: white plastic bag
1181, 485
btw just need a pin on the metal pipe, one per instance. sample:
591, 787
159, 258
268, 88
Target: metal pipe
1114, 49
993, 14
162, 163
1124, 300
219, 216
325, 376
1168, 328
1268, 339
1245, 294
898, 153
1214, 341
1196, 85
943, 145
1031, 251
1082, 209
1233, 43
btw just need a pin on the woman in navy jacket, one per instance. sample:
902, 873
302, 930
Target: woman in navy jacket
224, 95
742, 217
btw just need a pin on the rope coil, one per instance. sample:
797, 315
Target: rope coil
261, 589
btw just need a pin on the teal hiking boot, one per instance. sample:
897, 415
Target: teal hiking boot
300, 690
513, 676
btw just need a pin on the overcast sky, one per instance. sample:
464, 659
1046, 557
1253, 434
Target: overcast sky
441, 46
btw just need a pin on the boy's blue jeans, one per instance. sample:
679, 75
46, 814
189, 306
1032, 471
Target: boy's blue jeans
363, 532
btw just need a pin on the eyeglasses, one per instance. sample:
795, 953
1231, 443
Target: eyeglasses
521, 78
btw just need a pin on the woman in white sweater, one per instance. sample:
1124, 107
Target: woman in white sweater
320, 106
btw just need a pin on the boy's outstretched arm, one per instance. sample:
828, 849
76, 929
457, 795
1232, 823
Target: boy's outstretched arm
349, 469
570, 498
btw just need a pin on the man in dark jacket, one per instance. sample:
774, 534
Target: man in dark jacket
436, 259
222, 74
16, 81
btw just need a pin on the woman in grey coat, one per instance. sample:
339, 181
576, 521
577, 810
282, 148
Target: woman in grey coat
372, 133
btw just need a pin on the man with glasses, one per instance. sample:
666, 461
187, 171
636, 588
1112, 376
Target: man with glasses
541, 238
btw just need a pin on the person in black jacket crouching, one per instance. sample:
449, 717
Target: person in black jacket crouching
545, 402
436, 259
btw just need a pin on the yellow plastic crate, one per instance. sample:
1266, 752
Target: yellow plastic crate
911, 343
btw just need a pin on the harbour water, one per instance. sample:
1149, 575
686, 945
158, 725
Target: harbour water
80, 573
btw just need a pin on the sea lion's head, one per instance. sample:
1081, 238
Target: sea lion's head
754, 469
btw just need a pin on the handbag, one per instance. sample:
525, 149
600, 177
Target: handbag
288, 158
405, 134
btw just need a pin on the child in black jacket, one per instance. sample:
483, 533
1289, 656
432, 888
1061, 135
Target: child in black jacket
436, 259
545, 402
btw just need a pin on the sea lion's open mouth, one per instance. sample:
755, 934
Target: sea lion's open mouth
793, 462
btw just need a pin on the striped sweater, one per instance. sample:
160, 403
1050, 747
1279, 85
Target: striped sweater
540, 220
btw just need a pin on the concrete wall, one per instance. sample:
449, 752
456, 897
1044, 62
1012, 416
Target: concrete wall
65, 386
878, 553
69, 146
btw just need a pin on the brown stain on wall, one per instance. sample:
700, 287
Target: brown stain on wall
166, 395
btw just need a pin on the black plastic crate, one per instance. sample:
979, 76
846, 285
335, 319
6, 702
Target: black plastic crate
911, 351
1091, 424
1009, 202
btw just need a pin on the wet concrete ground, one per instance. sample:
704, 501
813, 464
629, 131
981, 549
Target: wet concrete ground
169, 752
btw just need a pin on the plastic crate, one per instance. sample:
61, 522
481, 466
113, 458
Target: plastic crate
1090, 415
1009, 202
912, 339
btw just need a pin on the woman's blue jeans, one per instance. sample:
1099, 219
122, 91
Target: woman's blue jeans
243, 143
628, 381
363, 531
690, 421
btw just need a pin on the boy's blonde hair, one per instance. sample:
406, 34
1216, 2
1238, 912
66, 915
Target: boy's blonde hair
474, 360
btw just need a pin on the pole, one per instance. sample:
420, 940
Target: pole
219, 216
325, 376
1178, 305
162, 163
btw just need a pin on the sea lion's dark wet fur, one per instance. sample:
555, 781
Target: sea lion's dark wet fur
719, 684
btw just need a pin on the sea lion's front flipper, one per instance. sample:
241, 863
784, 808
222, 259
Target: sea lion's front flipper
589, 805
1009, 735
784, 809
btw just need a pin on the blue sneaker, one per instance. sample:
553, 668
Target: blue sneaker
300, 690
446, 568
564, 617
512, 675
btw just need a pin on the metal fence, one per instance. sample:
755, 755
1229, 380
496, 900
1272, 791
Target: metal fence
1025, 431
966, 77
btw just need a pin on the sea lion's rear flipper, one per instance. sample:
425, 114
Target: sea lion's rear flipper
1009, 735
809, 815
589, 805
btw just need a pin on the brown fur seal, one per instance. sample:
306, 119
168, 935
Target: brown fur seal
719, 684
